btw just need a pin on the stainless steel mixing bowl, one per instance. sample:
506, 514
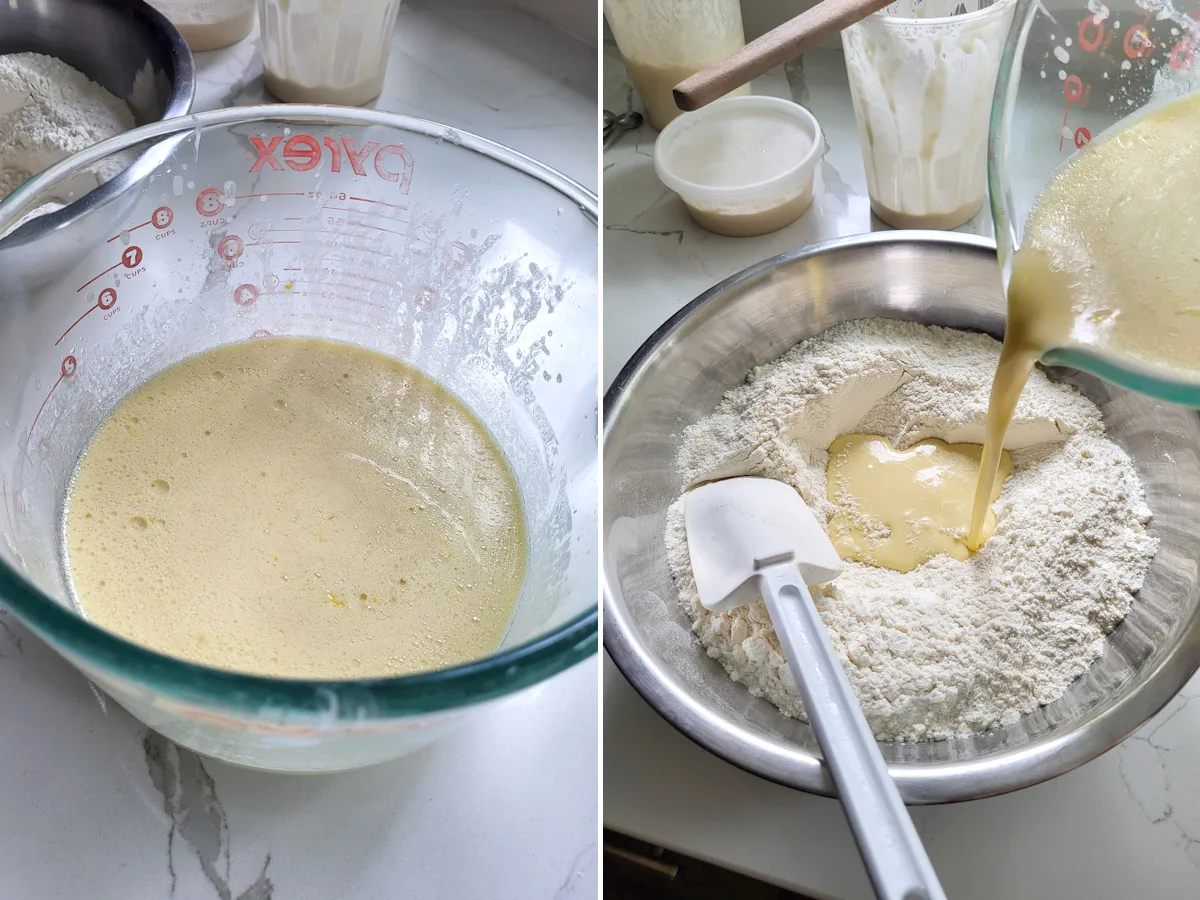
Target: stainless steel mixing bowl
130, 49
125, 46
680, 374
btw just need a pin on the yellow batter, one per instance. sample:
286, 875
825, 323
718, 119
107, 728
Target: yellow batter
297, 508
1109, 260
900, 508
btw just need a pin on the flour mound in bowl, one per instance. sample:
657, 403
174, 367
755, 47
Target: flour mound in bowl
953, 647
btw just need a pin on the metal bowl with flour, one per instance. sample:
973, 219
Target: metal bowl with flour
131, 50
680, 374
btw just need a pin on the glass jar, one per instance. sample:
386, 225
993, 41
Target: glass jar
209, 24
665, 41
921, 77
326, 51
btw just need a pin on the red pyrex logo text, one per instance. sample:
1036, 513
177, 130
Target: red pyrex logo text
303, 152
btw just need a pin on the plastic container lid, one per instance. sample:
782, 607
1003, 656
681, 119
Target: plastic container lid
749, 158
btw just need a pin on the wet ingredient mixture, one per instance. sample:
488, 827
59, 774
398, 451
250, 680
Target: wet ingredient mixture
1108, 261
901, 508
297, 508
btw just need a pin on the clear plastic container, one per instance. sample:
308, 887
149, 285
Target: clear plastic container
396, 234
209, 24
665, 41
743, 166
921, 80
326, 51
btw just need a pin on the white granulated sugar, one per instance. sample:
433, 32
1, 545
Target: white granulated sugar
48, 111
953, 647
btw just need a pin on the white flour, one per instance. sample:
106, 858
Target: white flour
952, 647
48, 111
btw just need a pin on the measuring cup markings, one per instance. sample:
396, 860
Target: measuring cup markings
106, 301
1138, 44
357, 248
211, 202
269, 194
369, 212
377, 228
230, 247
403, 207
131, 258
162, 219
387, 214
67, 369
328, 272
245, 294
340, 220
1075, 91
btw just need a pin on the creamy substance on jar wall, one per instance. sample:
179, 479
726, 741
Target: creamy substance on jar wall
655, 83
921, 89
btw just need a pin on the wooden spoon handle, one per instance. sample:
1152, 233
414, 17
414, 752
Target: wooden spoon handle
773, 49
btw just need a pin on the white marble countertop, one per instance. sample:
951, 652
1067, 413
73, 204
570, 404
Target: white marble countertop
92, 806
1125, 825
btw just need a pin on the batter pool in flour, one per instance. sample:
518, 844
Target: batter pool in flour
297, 508
954, 646
900, 508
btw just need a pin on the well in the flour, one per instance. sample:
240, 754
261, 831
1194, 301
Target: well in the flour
900, 508
954, 646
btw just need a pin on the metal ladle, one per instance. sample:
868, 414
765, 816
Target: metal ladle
630, 121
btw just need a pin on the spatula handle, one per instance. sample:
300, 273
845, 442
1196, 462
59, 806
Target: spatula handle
895, 859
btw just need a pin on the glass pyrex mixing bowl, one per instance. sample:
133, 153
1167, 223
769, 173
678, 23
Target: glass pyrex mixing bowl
458, 256
1069, 73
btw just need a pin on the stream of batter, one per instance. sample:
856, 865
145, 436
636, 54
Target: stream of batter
1109, 261
297, 508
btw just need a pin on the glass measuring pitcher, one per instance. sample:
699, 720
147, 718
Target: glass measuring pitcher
468, 261
1069, 73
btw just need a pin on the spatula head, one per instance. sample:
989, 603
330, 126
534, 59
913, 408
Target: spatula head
737, 526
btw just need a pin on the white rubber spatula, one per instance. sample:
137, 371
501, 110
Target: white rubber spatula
756, 537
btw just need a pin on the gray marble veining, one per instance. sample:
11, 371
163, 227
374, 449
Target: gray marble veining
197, 817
